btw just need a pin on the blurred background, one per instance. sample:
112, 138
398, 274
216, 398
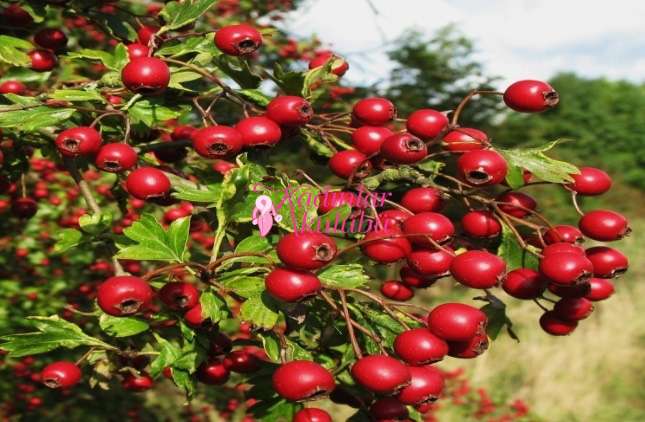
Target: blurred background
422, 53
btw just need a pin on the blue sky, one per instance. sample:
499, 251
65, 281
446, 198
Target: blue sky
515, 39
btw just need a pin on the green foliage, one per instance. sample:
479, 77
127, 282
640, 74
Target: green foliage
147, 240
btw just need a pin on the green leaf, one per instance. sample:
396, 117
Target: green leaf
513, 254
316, 80
343, 276
95, 223
271, 345
515, 177
122, 326
541, 166
95, 55
35, 118
202, 194
66, 239
253, 243
77, 95
177, 14
497, 319
431, 166
183, 380
152, 242
256, 96
151, 112
261, 311
36, 10
191, 45
53, 332
315, 142
22, 100
290, 82
117, 24
176, 79
213, 307
277, 410
168, 354
245, 286
14, 51
238, 71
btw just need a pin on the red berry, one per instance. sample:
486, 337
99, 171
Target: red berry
194, 316
556, 326
291, 285
411, 278
388, 409
78, 141
220, 344
524, 283
381, 374
217, 141
289, 110
482, 168
223, 166
137, 383
42, 60
465, 139
422, 200
24, 207
306, 251
562, 247
431, 225
213, 373
456, 321
566, 268
259, 131
386, 249
302, 379
530, 96
146, 75
179, 295
563, 233
136, 51
517, 204
61, 374
469, 349
311, 414
51, 38
481, 224
238, 40
403, 148
607, 262
350, 162
147, 183
419, 346
116, 157
600, 289
242, 362
14, 15
431, 263
145, 33
368, 139
426, 385
573, 309
575, 290
374, 111
329, 200
591, 181
604, 225
393, 218
478, 269
396, 291
338, 67
12, 87
123, 295
426, 123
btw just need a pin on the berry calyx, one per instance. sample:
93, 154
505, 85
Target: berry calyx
478, 269
381, 374
289, 110
217, 141
238, 40
179, 295
469, 349
482, 168
419, 346
374, 111
403, 148
78, 141
604, 225
123, 295
147, 183
146, 75
61, 374
301, 380
116, 157
306, 251
530, 96
291, 285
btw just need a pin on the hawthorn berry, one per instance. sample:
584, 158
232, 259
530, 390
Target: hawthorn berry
403, 148
573, 308
289, 110
418, 346
238, 40
430, 262
478, 269
465, 139
123, 295
426, 229
396, 290
147, 183
469, 349
530, 96
368, 139
145, 33
12, 87
517, 204
339, 66
348, 163
136, 51
599, 289
481, 224
524, 283
24, 207
306, 251
482, 167
386, 245
213, 373
393, 218
426, 385
146, 75
291, 285
590, 182
556, 326
14, 15
194, 316
179, 296
381, 374
116, 157
61, 374
42, 60
426, 123
607, 262
422, 200
575, 290
562, 247
563, 233
604, 225
51, 38
456, 321
301, 380
217, 141
78, 141
388, 409
258, 131
311, 414
566, 268
242, 362
220, 344
374, 111
411, 278
137, 383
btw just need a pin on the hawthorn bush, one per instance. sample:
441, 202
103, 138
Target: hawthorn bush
164, 219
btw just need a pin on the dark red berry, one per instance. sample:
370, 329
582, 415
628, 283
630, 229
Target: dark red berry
136, 51
259, 131
306, 251
422, 200
14, 15
374, 111
387, 245
242, 362
388, 409
145, 33
524, 283
348, 163
562, 247
395, 290
517, 204
289, 110
431, 263
575, 290
146, 75
465, 139
456, 321
12, 87
437, 227
530, 96
426, 385
604, 225
24, 207
478, 269
607, 262
600, 289
469, 349
312, 414
481, 224
116, 157
403, 148
368, 139
393, 218
147, 182
426, 123
179, 296
137, 383
573, 309
563, 233
238, 40
381, 374
213, 373
419, 346
411, 278
51, 38
42, 60
217, 141
556, 326
482, 168
123, 295
61, 374
590, 182
566, 268
78, 141
302, 380
291, 285
194, 316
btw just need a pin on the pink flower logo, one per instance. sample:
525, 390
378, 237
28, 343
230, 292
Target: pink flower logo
264, 213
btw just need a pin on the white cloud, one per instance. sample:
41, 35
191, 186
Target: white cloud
514, 38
